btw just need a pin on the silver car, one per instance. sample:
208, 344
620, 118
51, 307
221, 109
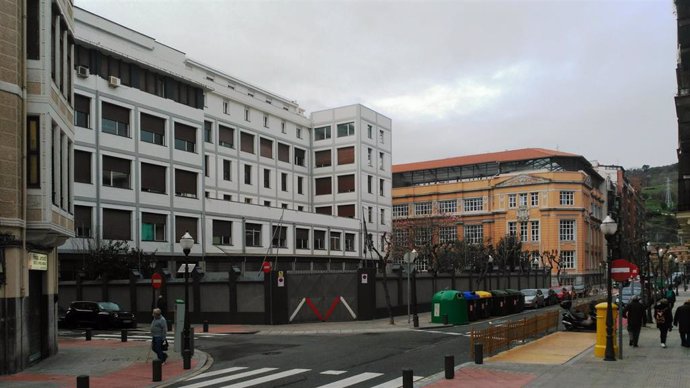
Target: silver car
534, 298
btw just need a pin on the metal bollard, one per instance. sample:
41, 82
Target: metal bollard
123, 335
186, 359
407, 378
82, 381
444, 319
449, 364
157, 371
205, 326
88, 334
478, 353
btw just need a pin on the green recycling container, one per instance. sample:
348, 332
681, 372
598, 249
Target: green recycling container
449, 303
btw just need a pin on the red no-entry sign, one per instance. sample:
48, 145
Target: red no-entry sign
156, 280
621, 270
266, 267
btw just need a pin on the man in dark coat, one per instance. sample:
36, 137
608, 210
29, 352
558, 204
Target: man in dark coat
664, 320
634, 313
682, 321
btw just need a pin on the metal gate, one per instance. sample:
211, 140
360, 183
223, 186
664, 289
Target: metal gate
327, 296
37, 316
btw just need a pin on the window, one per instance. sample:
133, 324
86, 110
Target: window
535, 199
116, 172
267, 178
226, 137
248, 200
246, 142
474, 234
512, 200
381, 160
370, 131
400, 210
222, 232
473, 204
512, 228
335, 241
33, 151
370, 214
566, 230
523, 231
185, 184
301, 238
279, 239
535, 230
283, 181
208, 131
322, 186
185, 137
382, 186
265, 121
346, 183
346, 211
252, 235
567, 198
266, 148
152, 129
422, 236
247, 174
282, 127
422, 208
447, 234
206, 169
227, 170
381, 136
300, 184
370, 183
283, 205
153, 178
115, 119
346, 129
522, 199
568, 259
298, 133
82, 221
226, 107
116, 224
320, 239
322, 158
346, 155
299, 157
382, 216
448, 207
227, 197
33, 31
370, 156
322, 133
349, 242
82, 166
246, 114
323, 210
153, 227
82, 110
283, 153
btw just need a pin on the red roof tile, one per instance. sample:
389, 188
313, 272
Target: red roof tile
502, 156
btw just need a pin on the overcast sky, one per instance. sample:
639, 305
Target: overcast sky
595, 78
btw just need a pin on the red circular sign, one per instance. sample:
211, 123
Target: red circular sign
266, 267
156, 280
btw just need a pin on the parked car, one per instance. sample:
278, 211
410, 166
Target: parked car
100, 315
534, 298
61, 316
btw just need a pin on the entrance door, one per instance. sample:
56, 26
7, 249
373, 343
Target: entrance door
37, 315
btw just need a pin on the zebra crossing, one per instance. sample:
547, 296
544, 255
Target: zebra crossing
241, 376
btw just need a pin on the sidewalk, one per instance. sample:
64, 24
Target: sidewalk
569, 357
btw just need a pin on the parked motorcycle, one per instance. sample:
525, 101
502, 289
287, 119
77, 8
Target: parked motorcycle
577, 320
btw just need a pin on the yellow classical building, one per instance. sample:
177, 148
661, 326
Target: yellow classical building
552, 201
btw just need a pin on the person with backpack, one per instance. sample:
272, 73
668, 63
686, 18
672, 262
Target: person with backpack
682, 321
664, 320
670, 296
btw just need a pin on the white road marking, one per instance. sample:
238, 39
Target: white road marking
352, 380
230, 378
396, 383
268, 378
444, 332
333, 372
218, 372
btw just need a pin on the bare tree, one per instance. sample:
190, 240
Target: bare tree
508, 251
552, 259
383, 260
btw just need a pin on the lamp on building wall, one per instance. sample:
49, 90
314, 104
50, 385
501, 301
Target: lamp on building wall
186, 242
609, 228
661, 280
648, 281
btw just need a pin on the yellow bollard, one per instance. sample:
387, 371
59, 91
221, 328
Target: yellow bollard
600, 347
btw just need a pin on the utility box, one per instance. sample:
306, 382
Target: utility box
449, 303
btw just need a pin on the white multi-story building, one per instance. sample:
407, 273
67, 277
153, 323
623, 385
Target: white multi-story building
165, 144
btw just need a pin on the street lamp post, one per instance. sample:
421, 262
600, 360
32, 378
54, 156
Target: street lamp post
662, 277
609, 227
186, 242
410, 258
648, 282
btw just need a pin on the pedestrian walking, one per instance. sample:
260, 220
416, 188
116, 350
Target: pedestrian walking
670, 296
634, 313
682, 321
664, 320
158, 329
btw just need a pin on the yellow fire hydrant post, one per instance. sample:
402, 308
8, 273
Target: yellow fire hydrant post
600, 347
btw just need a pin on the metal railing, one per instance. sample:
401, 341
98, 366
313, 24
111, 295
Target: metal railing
498, 338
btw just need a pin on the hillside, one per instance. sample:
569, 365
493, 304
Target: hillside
661, 224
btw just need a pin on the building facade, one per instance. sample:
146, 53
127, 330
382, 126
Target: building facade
36, 208
683, 113
550, 200
166, 145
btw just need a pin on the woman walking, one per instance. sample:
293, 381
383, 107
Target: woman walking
664, 319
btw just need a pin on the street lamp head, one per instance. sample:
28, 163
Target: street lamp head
609, 226
650, 248
491, 259
661, 252
186, 242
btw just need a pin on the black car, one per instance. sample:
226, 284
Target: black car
100, 315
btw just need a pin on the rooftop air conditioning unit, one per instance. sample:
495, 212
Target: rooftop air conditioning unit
82, 71
114, 81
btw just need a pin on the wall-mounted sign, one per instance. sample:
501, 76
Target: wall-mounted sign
38, 261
